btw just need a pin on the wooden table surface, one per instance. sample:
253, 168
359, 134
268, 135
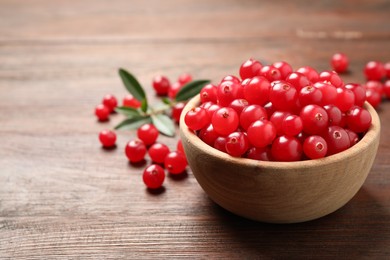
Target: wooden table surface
61, 195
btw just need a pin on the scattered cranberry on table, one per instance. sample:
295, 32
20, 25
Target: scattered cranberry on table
135, 151
158, 152
148, 133
107, 138
339, 62
162, 158
130, 101
175, 162
374, 70
102, 112
110, 102
161, 85
153, 176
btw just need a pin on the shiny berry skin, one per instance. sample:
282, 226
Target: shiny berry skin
251, 114
375, 85
292, 125
269, 108
314, 119
176, 111
184, 79
302, 137
102, 112
332, 77
286, 149
107, 138
208, 135
225, 121
237, 144
283, 96
153, 176
298, 80
174, 88
228, 91
309, 95
238, 105
343, 122
387, 69
231, 78
373, 97
329, 92
309, 72
179, 146
261, 133
175, 162
161, 85
212, 109
259, 153
130, 101
359, 92
148, 133
315, 147
386, 88
245, 82
208, 93
335, 116
374, 70
250, 68
257, 90
271, 73
345, 99
110, 102
157, 152
277, 119
135, 151
284, 68
220, 144
337, 139
358, 119
353, 137
339, 62
197, 118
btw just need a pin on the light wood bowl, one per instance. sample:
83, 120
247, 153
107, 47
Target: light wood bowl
280, 192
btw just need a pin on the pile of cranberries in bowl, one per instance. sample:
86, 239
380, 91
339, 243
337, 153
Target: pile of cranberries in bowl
275, 113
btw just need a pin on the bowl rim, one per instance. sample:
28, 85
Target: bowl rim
367, 139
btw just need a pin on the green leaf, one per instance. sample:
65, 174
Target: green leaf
144, 105
191, 89
133, 123
164, 124
132, 85
127, 111
166, 101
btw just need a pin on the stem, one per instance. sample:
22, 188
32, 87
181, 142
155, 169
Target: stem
160, 110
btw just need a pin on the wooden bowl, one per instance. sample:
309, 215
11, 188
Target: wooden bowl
280, 192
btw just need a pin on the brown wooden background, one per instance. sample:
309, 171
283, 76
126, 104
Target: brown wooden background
61, 195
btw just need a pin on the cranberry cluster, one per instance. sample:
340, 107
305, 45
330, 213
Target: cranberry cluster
174, 161
378, 82
153, 176
110, 102
146, 142
163, 87
275, 113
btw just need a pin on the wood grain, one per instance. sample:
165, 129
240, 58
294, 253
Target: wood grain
62, 196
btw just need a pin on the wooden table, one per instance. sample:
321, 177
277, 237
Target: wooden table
61, 195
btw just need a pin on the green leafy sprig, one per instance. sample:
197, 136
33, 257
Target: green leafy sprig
149, 114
